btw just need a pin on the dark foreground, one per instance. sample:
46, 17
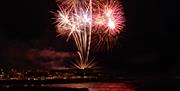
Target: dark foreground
42, 89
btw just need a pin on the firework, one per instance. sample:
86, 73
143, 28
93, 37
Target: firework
80, 19
109, 22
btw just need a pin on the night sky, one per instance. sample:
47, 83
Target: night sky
147, 45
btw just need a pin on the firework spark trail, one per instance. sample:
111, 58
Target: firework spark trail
81, 18
78, 25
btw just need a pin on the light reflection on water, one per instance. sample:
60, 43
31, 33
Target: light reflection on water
99, 86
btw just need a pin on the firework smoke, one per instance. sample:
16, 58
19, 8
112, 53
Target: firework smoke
49, 59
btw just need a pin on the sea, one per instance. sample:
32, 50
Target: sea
156, 84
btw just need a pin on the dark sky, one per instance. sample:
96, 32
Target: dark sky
148, 43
